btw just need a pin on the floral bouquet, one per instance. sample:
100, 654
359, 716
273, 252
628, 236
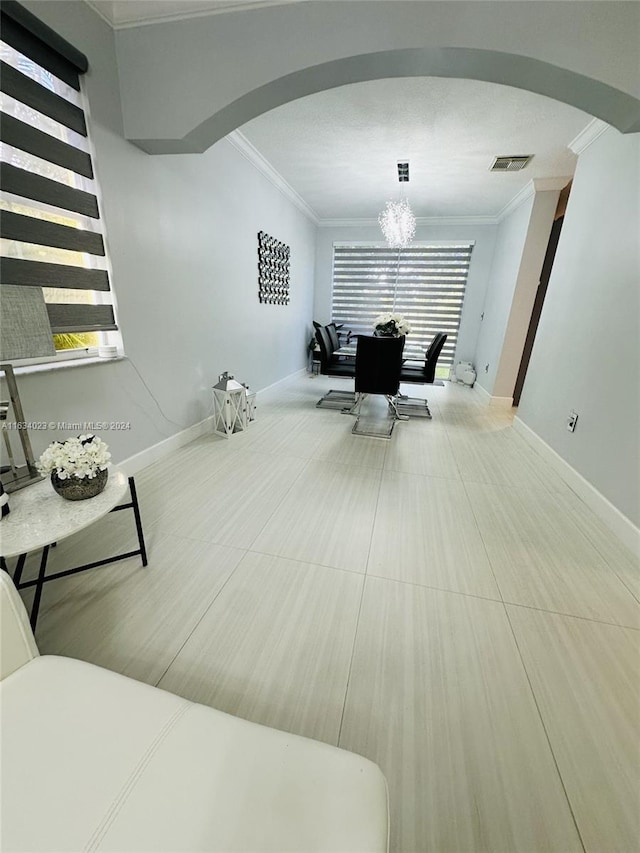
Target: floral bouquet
391, 325
82, 457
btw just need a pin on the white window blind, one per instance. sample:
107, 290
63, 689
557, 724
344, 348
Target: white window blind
425, 283
50, 231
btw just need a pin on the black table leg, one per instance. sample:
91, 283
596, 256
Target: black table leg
39, 584
17, 574
136, 513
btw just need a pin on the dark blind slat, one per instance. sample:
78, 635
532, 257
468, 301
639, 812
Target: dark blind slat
29, 229
45, 146
37, 274
28, 35
80, 318
31, 93
25, 43
21, 182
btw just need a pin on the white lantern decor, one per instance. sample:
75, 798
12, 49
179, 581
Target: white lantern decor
229, 406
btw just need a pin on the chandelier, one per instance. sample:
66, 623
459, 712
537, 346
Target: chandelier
397, 220
398, 224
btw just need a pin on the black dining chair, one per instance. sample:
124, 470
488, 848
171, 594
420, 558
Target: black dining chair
338, 334
377, 371
331, 365
425, 375
333, 335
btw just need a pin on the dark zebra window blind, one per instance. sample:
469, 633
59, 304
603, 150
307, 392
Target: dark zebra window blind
50, 230
425, 283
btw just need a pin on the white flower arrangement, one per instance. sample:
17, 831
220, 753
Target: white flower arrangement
79, 457
391, 324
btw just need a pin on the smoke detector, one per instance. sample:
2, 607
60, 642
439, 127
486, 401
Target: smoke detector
511, 164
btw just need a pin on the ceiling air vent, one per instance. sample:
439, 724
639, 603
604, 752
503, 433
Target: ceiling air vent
403, 172
510, 164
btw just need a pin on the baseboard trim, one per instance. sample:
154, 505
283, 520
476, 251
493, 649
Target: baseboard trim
618, 523
482, 392
500, 402
284, 380
163, 448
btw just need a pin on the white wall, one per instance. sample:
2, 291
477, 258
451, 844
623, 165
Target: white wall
482, 235
182, 236
521, 244
587, 353
536, 243
503, 275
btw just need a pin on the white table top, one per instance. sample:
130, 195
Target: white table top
39, 516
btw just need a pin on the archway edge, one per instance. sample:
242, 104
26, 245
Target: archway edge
600, 100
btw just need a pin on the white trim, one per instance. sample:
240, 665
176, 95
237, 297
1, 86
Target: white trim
618, 523
284, 380
163, 448
113, 336
591, 132
501, 402
519, 198
48, 366
482, 392
489, 400
242, 144
100, 13
535, 185
236, 5
420, 220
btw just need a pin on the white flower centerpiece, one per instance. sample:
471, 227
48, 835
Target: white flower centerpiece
391, 325
78, 466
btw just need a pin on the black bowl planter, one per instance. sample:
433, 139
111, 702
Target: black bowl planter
79, 489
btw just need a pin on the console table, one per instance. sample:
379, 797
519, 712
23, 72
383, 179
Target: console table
40, 518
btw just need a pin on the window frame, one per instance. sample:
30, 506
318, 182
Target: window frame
31, 58
449, 352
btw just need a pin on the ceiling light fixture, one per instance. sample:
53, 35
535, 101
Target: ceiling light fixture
397, 221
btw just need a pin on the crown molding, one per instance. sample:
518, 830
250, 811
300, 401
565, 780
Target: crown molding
100, 13
235, 6
591, 132
242, 144
535, 185
519, 198
420, 220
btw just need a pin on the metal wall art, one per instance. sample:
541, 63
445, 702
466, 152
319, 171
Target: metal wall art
273, 270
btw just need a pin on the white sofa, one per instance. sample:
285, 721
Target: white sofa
93, 761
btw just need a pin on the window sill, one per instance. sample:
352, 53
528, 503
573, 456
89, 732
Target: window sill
51, 366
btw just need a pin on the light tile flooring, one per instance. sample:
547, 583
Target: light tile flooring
441, 603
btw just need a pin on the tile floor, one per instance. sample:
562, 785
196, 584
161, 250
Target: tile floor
441, 603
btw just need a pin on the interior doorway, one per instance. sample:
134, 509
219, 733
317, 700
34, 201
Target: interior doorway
545, 275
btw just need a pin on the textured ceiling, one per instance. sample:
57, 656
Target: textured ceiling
338, 149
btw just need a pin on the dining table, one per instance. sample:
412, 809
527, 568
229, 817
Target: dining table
411, 352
